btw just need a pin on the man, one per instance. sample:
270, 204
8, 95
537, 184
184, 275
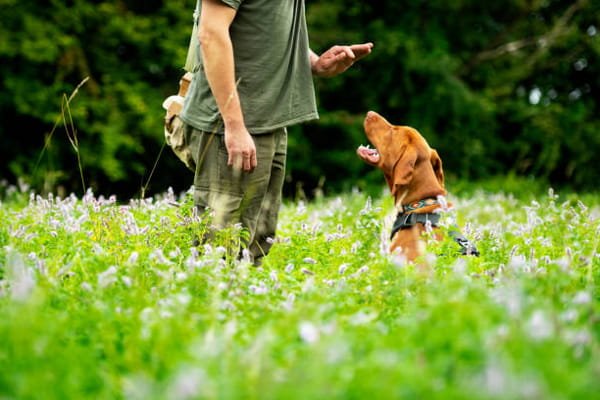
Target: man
253, 79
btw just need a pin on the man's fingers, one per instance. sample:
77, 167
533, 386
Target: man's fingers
352, 52
362, 50
241, 150
248, 162
342, 52
343, 61
339, 59
238, 161
348, 51
345, 58
362, 46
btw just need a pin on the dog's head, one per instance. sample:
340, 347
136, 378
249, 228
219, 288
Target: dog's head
412, 169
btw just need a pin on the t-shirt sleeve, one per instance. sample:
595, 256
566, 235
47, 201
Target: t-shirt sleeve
233, 3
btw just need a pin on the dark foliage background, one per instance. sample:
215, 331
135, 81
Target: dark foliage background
507, 87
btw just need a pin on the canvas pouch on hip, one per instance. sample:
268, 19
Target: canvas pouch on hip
174, 127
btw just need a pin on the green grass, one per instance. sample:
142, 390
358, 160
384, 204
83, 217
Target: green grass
104, 300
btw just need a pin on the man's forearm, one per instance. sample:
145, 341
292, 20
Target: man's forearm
219, 68
217, 56
313, 58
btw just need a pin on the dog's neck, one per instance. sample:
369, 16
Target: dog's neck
399, 199
412, 192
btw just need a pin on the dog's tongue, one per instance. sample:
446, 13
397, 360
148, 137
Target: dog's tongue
368, 154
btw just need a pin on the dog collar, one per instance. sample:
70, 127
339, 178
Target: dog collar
430, 201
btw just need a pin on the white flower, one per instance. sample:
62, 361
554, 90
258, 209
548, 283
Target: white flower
259, 290
569, 316
460, 267
363, 270
399, 259
362, 318
133, 258
187, 384
518, 263
316, 227
98, 249
577, 337
246, 256
308, 332
539, 326
20, 276
159, 256
511, 298
582, 298
368, 207
107, 277
126, 281
443, 203
288, 304
495, 379
355, 246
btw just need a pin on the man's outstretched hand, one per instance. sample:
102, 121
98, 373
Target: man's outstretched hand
338, 59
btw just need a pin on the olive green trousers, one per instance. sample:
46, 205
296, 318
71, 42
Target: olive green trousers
232, 196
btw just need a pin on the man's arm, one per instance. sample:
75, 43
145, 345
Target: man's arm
217, 56
338, 59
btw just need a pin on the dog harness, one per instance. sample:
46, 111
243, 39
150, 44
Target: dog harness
407, 218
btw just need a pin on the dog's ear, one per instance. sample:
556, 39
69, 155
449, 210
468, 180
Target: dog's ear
436, 163
402, 170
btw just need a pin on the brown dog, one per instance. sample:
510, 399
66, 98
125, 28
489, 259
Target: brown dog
414, 173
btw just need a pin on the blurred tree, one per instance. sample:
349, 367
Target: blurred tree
132, 51
495, 86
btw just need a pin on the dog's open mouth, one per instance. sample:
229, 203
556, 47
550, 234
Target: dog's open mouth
368, 155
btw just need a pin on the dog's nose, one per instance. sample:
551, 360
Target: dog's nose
372, 115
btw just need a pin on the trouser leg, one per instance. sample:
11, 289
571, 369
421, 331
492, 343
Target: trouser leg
269, 212
238, 197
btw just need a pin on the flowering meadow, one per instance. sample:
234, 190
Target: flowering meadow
106, 299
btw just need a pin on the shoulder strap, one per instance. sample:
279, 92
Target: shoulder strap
190, 61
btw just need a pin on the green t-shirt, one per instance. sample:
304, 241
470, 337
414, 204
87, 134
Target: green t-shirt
271, 55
